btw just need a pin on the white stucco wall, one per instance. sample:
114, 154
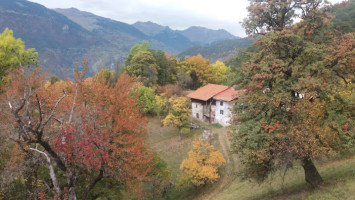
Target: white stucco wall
224, 119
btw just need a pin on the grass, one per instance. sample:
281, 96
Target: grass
217, 125
338, 172
339, 177
166, 142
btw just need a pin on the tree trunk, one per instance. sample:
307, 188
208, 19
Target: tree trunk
72, 181
92, 184
51, 173
311, 173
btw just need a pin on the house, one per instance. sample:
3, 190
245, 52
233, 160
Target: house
213, 103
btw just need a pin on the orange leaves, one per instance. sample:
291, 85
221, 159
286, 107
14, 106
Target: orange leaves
342, 60
261, 77
115, 130
170, 90
345, 128
201, 166
270, 128
276, 68
106, 133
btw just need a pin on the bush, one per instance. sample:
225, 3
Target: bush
185, 131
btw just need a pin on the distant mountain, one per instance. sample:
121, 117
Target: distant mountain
64, 37
123, 34
149, 28
93, 22
205, 36
222, 51
173, 38
119, 37
195, 34
58, 40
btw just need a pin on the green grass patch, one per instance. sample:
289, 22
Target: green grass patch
217, 125
339, 177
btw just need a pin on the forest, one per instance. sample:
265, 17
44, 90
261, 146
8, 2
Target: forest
105, 136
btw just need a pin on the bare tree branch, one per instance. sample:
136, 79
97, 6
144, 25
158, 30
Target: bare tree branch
49, 188
54, 155
58, 120
53, 110
40, 112
72, 109
18, 118
51, 171
28, 100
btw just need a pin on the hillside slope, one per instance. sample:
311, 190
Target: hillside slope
58, 40
222, 51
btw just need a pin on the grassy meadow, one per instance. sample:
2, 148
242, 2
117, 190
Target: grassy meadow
338, 172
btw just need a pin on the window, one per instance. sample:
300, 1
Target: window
197, 116
221, 104
196, 105
221, 112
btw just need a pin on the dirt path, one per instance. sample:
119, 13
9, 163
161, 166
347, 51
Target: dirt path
225, 144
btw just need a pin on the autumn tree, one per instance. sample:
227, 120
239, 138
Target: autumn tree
166, 67
220, 73
179, 114
162, 105
160, 181
83, 130
135, 49
286, 117
343, 13
196, 71
201, 167
144, 61
13, 53
170, 90
275, 15
143, 65
199, 70
146, 99
183, 77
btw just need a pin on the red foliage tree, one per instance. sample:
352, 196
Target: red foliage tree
86, 128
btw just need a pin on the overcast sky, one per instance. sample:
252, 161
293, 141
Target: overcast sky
178, 14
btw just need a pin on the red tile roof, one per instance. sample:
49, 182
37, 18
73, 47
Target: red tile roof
206, 92
229, 94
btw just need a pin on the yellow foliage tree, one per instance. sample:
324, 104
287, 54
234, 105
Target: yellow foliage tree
200, 70
201, 166
220, 73
179, 114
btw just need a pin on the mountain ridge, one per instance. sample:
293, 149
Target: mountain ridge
64, 37
204, 35
222, 51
